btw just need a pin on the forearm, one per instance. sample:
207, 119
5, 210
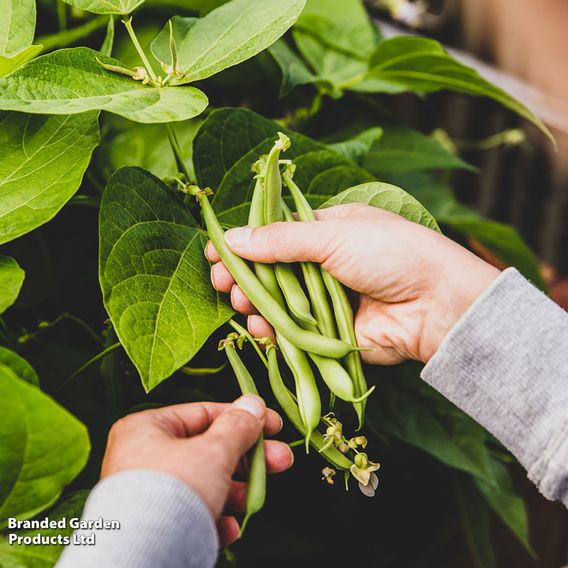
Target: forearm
162, 523
505, 363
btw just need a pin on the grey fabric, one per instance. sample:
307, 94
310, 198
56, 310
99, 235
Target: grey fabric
163, 524
505, 363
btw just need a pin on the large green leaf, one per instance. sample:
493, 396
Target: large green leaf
19, 366
231, 140
402, 149
232, 34
43, 555
421, 65
71, 81
42, 162
505, 502
358, 146
154, 275
42, 448
388, 197
148, 146
106, 6
11, 280
17, 28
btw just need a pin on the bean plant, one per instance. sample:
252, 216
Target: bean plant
167, 122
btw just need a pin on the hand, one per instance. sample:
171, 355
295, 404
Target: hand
202, 445
413, 284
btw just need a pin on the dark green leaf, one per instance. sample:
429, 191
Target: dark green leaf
20, 367
11, 280
294, 72
154, 275
43, 555
160, 46
421, 65
358, 147
403, 150
71, 81
42, 162
231, 140
42, 448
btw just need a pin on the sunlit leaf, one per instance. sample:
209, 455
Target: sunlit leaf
21, 368
106, 6
11, 280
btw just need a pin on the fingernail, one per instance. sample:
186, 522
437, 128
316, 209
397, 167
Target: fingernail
252, 404
239, 237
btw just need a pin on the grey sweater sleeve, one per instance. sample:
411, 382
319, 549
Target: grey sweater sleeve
163, 524
505, 363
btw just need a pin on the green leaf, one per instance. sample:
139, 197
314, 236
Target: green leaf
388, 197
11, 280
42, 162
358, 147
506, 503
108, 43
10, 64
410, 412
341, 25
421, 65
232, 34
148, 146
71, 81
42, 448
294, 72
231, 140
154, 275
122, 7
43, 555
17, 25
403, 149
501, 240
20, 367
475, 517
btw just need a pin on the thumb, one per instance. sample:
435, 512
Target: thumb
238, 428
283, 242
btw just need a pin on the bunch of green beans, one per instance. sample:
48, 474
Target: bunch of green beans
313, 324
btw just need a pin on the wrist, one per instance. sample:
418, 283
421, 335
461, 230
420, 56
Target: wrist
448, 303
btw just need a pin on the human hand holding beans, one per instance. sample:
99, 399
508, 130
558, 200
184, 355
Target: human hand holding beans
412, 283
202, 445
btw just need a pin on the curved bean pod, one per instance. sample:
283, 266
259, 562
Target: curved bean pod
261, 298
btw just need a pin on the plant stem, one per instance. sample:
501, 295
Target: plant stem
85, 201
243, 331
352, 82
176, 149
69, 37
62, 15
128, 24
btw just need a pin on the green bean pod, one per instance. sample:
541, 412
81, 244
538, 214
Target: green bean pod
256, 484
270, 309
306, 388
285, 400
296, 299
341, 307
316, 290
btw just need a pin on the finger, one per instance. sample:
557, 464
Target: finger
221, 278
241, 303
211, 252
236, 430
192, 418
228, 530
285, 242
259, 327
278, 456
236, 500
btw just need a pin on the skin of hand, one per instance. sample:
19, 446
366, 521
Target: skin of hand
412, 283
202, 444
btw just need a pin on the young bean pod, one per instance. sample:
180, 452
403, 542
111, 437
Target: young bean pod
256, 485
262, 299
